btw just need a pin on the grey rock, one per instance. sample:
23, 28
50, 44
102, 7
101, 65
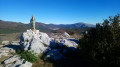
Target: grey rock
26, 64
37, 46
5, 42
12, 59
16, 61
1, 66
54, 54
7, 49
67, 43
15, 43
1, 46
37, 42
4, 51
8, 65
66, 35
3, 54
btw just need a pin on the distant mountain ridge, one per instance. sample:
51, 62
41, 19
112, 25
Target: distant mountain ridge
19, 27
72, 26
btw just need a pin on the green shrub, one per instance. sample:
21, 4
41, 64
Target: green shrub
18, 51
101, 46
27, 55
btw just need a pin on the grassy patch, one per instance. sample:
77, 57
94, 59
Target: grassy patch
28, 55
9, 31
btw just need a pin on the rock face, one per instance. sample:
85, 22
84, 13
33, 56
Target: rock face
4, 51
54, 54
39, 42
66, 35
35, 41
5, 42
16, 61
66, 42
12, 60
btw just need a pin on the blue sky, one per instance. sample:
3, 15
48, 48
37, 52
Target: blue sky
58, 11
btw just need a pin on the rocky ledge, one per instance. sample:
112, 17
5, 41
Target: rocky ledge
38, 42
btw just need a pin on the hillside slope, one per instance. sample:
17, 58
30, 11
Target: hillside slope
7, 27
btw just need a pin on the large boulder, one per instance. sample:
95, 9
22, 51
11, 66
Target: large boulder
66, 35
16, 61
35, 41
5, 42
12, 59
40, 42
15, 43
54, 54
5, 51
67, 42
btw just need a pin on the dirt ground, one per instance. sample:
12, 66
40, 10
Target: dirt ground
10, 37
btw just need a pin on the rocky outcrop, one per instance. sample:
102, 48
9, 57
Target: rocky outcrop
54, 54
5, 42
5, 51
66, 35
66, 42
16, 61
12, 60
39, 42
35, 41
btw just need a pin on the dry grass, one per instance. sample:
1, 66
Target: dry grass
77, 36
2, 59
42, 63
10, 37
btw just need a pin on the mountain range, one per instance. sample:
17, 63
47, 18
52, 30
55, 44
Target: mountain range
10, 26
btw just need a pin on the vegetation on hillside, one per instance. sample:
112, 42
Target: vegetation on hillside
101, 46
8, 27
72, 31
